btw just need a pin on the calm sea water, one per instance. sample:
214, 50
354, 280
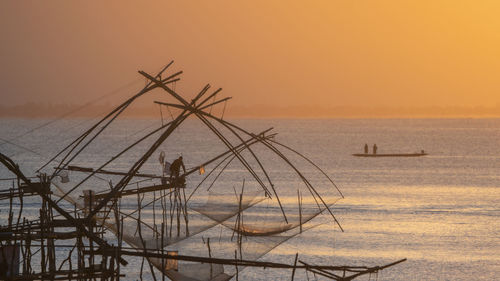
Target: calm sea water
441, 211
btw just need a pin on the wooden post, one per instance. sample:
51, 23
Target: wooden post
210, 256
236, 263
295, 265
299, 198
163, 264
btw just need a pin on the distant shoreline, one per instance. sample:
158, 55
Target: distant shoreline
32, 110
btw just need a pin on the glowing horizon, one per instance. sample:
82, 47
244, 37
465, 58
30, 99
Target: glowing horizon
323, 54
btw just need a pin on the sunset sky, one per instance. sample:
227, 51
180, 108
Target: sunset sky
286, 53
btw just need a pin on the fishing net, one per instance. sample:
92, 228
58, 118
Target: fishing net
241, 224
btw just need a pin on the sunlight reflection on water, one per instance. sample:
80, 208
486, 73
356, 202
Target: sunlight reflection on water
440, 211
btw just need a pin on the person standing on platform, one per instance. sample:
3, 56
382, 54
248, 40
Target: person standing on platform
175, 169
366, 148
375, 149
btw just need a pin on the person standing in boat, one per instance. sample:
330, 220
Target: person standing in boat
375, 148
366, 148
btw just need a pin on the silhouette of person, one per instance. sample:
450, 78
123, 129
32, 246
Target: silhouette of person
366, 148
375, 149
175, 168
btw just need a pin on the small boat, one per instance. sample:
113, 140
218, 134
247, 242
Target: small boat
390, 154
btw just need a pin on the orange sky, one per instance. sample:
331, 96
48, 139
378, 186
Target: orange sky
314, 53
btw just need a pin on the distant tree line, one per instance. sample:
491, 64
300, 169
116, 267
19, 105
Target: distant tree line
36, 110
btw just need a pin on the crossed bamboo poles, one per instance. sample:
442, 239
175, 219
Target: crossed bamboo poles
196, 108
188, 108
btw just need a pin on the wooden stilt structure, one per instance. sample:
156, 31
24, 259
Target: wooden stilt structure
62, 244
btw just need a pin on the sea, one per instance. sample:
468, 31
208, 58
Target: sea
441, 211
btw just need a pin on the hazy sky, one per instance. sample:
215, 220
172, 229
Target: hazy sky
327, 53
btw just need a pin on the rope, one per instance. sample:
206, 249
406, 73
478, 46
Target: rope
20, 146
171, 115
161, 115
223, 110
210, 112
62, 116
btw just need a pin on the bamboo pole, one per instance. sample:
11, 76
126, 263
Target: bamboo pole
295, 265
209, 125
78, 140
135, 168
247, 263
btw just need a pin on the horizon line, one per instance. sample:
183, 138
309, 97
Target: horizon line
71, 111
